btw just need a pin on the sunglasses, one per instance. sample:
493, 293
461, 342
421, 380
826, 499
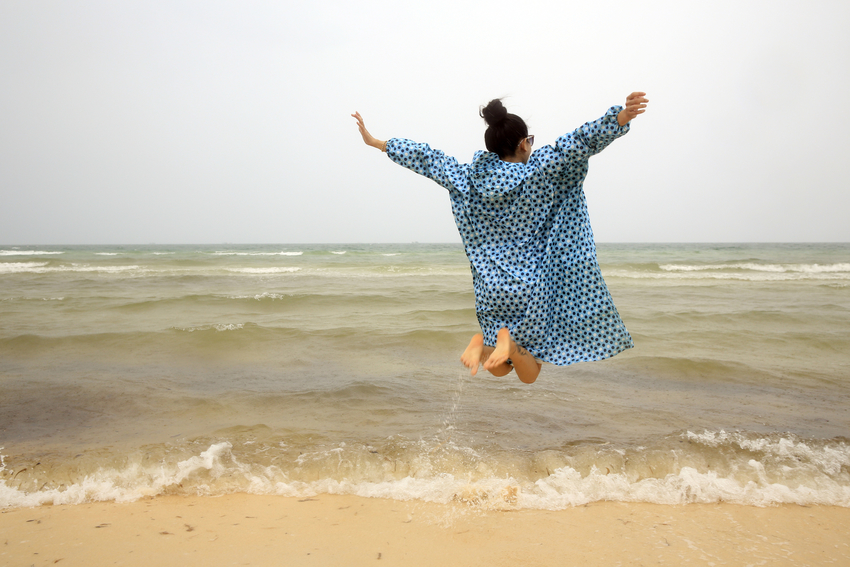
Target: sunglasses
530, 140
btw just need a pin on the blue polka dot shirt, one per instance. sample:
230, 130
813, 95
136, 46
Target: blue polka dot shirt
527, 234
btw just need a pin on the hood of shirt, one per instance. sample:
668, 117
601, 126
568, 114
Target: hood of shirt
490, 176
505, 213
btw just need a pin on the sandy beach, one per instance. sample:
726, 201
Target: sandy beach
347, 530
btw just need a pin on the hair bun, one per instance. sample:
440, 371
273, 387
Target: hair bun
494, 113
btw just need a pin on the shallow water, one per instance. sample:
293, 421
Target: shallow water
297, 369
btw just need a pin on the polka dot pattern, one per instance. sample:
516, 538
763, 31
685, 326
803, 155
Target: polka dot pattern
527, 234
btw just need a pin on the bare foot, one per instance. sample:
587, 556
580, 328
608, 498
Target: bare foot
471, 357
502, 352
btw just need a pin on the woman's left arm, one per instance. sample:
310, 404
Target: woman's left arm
592, 137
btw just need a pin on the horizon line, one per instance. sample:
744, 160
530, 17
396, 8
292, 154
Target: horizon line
711, 242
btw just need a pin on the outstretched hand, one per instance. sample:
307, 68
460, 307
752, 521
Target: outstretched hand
635, 104
368, 138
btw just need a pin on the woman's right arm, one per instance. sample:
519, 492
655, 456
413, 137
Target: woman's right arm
367, 137
417, 157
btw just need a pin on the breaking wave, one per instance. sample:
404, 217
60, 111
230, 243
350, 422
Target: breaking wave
707, 467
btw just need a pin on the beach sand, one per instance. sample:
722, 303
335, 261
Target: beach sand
244, 529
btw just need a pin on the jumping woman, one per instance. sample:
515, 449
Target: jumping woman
522, 216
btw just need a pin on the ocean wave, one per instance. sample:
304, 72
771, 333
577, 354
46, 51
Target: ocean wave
765, 273
750, 266
272, 270
20, 267
260, 296
27, 253
710, 467
45, 268
216, 327
258, 253
155, 270
827, 458
33, 299
393, 272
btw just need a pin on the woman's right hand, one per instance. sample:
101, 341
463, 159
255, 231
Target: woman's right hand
368, 138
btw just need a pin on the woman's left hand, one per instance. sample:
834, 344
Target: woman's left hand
635, 104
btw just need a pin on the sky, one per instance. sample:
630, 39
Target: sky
229, 122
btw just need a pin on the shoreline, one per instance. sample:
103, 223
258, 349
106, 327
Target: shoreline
243, 529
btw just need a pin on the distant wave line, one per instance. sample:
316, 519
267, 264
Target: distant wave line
258, 253
27, 253
275, 270
727, 276
776, 268
42, 268
217, 326
165, 271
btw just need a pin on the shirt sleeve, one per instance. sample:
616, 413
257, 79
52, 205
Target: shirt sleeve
592, 137
420, 158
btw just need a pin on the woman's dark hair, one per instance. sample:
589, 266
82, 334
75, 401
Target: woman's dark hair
504, 131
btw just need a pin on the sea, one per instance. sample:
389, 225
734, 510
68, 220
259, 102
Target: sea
138, 371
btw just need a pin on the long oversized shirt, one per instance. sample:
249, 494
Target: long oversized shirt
527, 235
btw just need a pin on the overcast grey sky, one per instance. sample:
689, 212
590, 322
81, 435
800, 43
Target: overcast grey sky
208, 122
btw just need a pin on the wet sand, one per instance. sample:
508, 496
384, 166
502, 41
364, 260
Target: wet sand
243, 529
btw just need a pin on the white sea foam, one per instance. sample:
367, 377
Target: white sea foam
216, 326
27, 253
216, 471
830, 459
740, 272
43, 268
261, 296
393, 272
20, 267
33, 299
258, 253
89, 268
107, 253
122, 485
273, 270
338, 252
566, 487
750, 266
